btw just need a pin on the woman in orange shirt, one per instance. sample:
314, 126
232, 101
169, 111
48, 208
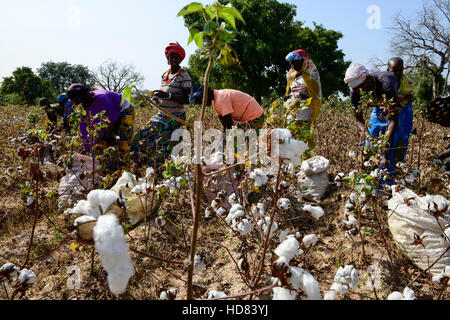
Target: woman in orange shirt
231, 106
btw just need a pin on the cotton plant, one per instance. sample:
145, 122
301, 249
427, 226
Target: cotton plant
315, 212
237, 221
258, 210
264, 224
214, 294
407, 294
290, 150
259, 177
346, 278
284, 204
443, 277
339, 178
298, 278
170, 294
110, 242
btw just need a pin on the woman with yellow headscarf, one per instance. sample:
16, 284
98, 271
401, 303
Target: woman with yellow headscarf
303, 95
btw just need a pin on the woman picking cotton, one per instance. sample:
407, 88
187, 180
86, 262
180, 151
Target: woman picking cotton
232, 106
115, 132
303, 96
383, 88
174, 93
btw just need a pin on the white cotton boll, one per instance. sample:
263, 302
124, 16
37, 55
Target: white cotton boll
82, 220
354, 197
215, 205
288, 248
283, 294
349, 205
310, 240
367, 164
292, 150
207, 213
445, 274
165, 294
402, 166
111, 244
409, 294
284, 204
30, 201
330, 295
160, 222
236, 212
102, 198
232, 199
259, 176
353, 173
150, 173
199, 265
245, 227
213, 294
362, 197
302, 279
264, 224
339, 288
395, 296
10, 269
261, 208
352, 154
27, 277
283, 235
221, 211
316, 212
348, 276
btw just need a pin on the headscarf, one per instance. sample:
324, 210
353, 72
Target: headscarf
355, 75
78, 90
175, 48
312, 79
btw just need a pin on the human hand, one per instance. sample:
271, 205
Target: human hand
161, 94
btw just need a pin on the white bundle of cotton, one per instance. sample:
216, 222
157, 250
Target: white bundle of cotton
232, 199
9, 270
264, 225
284, 204
26, 277
111, 244
244, 227
283, 294
310, 240
289, 149
236, 212
173, 183
170, 294
141, 189
259, 176
258, 210
98, 202
444, 276
316, 212
213, 294
408, 294
345, 278
287, 250
301, 279
283, 235
150, 173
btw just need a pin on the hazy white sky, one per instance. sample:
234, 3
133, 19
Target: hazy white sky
137, 31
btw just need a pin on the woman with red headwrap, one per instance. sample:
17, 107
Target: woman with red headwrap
174, 93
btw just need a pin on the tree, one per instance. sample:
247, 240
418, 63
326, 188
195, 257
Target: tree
116, 77
26, 84
269, 34
425, 40
63, 74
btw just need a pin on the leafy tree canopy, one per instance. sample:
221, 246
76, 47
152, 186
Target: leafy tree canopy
270, 32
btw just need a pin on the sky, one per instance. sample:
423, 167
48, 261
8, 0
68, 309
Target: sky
137, 31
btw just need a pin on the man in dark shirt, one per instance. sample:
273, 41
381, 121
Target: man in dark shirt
383, 87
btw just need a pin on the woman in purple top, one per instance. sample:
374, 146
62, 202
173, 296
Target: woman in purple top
119, 132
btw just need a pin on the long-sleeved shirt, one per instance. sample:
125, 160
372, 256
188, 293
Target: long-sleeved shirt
385, 83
